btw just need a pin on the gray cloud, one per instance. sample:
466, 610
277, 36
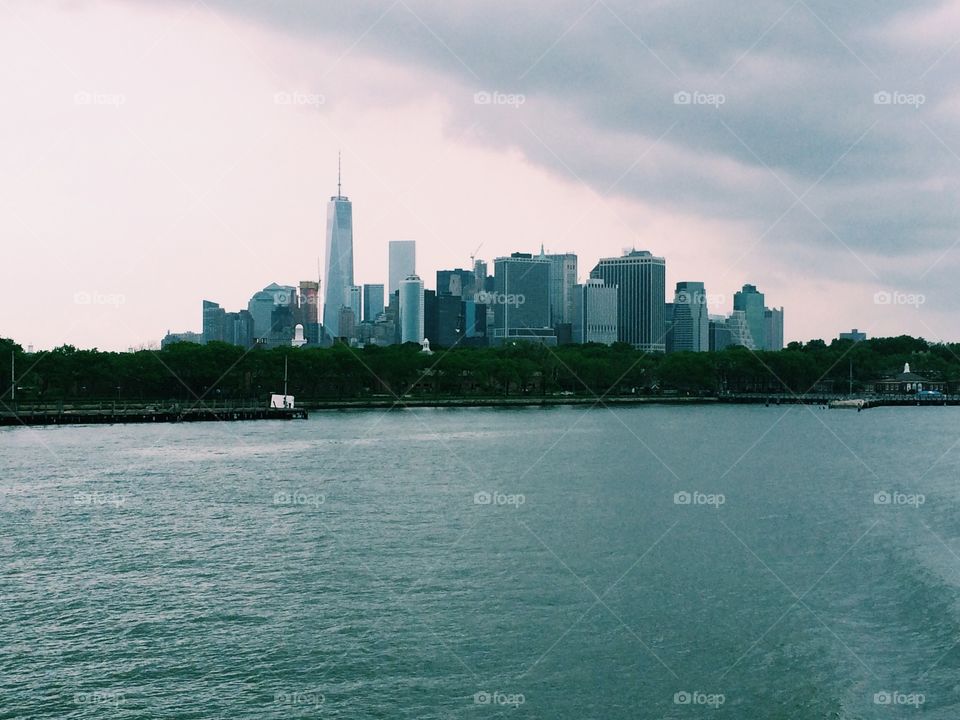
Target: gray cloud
798, 79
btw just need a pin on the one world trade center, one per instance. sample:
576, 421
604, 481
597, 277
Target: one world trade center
339, 276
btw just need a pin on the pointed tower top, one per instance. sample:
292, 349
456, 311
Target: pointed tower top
339, 194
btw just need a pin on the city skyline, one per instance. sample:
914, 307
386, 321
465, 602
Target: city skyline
556, 308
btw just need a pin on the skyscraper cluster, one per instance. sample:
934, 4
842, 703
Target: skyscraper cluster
529, 298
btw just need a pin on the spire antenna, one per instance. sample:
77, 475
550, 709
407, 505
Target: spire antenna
339, 193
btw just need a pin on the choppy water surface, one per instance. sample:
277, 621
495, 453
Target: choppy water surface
726, 562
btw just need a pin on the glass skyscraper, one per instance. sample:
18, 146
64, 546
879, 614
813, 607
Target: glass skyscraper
372, 301
339, 276
691, 323
521, 298
411, 310
563, 278
749, 301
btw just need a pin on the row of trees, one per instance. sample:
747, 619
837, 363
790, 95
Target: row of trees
218, 371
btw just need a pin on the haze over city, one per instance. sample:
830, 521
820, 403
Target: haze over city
808, 149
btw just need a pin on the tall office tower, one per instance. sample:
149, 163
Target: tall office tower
773, 329
640, 279
460, 283
739, 330
214, 321
749, 300
372, 302
411, 310
403, 262
339, 277
309, 303
691, 322
563, 278
521, 299
480, 275
595, 313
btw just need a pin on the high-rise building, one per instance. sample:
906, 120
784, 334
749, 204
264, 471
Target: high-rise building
339, 277
411, 310
403, 262
739, 330
521, 299
474, 322
480, 275
238, 328
773, 329
460, 283
595, 313
354, 300
273, 313
749, 301
308, 313
640, 279
309, 303
449, 321
668, 327
214, 320
563, 278
372, 302
691, 323
347, 324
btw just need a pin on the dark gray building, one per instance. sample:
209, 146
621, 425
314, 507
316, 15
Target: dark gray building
521, 299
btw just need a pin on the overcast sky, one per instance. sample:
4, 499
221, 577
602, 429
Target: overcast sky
158, 153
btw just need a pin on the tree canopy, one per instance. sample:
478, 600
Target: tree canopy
219, 371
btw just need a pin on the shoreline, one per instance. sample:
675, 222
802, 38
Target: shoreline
96, 414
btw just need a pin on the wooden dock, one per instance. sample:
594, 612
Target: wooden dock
116, 415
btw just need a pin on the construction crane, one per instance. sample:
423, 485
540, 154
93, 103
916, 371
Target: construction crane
473, 256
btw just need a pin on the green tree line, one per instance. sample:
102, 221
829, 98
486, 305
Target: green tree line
218, 371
